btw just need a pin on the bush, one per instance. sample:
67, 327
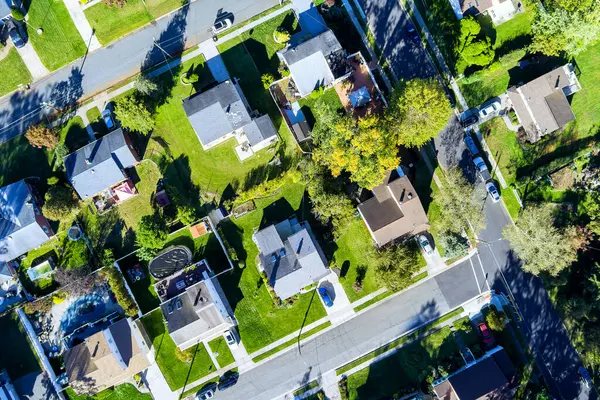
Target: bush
53, 180
151, 236
185, 356
283, 71
191, 78
117, 286
59, 296
60, 152
281, 35
60, 203
186, 214
496, 320
456, 245
17, 14
267, 80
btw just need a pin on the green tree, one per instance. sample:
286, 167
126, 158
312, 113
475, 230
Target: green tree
133, 115
186, 214
539, 243
461, 202
474, 47
456, 245
419, 111
496, 320
60, 203
267, 79
151, 236
61, 151
146, 86
396, 265
590, 207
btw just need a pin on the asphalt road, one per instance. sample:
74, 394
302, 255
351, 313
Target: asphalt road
120, 60
362, 334
387, 21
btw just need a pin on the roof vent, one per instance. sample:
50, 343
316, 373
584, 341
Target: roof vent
92, 171
88, 161
410, 196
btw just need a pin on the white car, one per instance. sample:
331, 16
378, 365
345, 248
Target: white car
230, 338
425, 245
489, 109
493, 192
221, 25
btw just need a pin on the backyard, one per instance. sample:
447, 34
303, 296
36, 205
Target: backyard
135, 208
125, 391
60, 43
111, 23
14, 72
169, 359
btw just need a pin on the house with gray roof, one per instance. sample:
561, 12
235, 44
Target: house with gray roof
290, 256
222, 113
100, 168
499, 11
5, 13
541, 105
314, 63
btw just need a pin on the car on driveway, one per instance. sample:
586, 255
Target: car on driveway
325, 296
207, 392
524, 63
230, 338
470, 120
108, 119
228, 380
492, 191
471, 145
489, 109
585, 377
221, 25
412, 33
488, 339
425, 245
16, 37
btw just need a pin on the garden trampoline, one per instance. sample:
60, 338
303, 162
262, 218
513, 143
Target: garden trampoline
170, 261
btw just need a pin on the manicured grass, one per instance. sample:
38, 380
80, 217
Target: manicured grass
306, 388
292, 342
585, 103
61, 42
18, 358
374, 300
15, 161
221, 350
511, 203
14, 72
260, 321
256, 17
505, 148
135, 208
125, 391
95, 118
412, 362
328, 96
177, 373
111, 23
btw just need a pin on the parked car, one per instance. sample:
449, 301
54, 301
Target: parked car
471, 145
108, 120
228, 381
221, 25
412, 33
325, 296
489, 109
230, 338
482, 169
488, 339
585, 377
17, 37
524, 63
470, 120
425, 245
207, 392
493, 192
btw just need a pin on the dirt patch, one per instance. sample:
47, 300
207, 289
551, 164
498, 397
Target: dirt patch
563, 179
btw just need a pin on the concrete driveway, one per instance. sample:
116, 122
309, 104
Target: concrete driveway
341, 309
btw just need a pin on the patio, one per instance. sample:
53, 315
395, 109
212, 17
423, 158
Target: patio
359, 93
114, 196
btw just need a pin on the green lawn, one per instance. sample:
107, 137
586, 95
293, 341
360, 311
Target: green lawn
15, 161
260, 322
177, 373
111, 23
221, 350
135, 208
292, 342
125, 391
60, 43
505, 148
19, 358
307, 104
14, 72
585, 104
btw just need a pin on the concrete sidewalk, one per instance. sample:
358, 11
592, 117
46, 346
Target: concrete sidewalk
82, 24
32, 61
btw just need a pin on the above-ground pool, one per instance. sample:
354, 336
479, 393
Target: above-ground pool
170, 261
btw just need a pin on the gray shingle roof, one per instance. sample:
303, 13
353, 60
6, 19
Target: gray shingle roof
216, 112
260, 129
19, 231
99, 165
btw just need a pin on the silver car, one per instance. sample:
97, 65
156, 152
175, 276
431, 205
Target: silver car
489, 109
425, 245
221, 25
493, 192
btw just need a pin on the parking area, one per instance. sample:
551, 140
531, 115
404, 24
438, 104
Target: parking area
341, 308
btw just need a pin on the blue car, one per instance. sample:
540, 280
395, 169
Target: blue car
325, 296
412, 33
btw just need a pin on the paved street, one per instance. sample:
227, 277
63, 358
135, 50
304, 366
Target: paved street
367, 331
109, 65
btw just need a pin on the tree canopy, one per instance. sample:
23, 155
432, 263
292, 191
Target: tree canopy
396, 265
41, 136
419, 110
151, 235
474, 47
60, 203
133, 114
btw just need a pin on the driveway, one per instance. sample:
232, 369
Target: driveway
341, 309
387, 21
105, 67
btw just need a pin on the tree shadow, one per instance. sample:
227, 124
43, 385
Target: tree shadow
178, 174
276, 212
230, 282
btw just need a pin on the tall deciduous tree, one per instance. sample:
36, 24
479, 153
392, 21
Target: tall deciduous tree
419, 111
133, 115
396, 265
461, 202
540, 244
474, 47
41, 136
60, 203
151, 236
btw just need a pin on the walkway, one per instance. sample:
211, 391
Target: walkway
81, 23
32, 61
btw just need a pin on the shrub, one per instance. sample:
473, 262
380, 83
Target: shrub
267, 80
60, 203
42, 306
17, 14
60, 152
53, 180
117, 286
59, 296
115, 3
146, 86
283, 71
281, 35
456, 245
41, 136
496, 320
186, 214
191, 78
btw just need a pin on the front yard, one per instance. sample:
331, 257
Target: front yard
61, 42
14, 72
221, 351
179, 368
125, 391
17, 356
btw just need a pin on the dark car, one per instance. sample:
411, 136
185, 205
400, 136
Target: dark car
16, 37
470, 120
524, 63
325, 296
207, 392
488, 339
228, 380
412, 33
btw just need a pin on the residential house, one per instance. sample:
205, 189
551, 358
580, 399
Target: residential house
194, 306
395, 210
290, 256
100, 170
222, 113
490, 377
107, 358
314, 63
541, 105
23, 227
498, 10
5, 14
